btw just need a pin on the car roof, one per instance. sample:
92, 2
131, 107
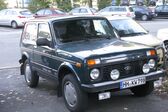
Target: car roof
53, 18
118, 6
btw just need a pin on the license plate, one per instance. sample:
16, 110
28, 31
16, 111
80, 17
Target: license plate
132, 82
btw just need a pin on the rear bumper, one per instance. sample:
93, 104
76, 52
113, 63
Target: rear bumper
91, 88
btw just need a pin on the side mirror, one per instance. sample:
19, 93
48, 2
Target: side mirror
43, 42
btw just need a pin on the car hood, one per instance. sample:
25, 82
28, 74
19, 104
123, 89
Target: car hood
98, 47
147, 39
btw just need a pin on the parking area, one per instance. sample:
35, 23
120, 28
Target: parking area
16, 96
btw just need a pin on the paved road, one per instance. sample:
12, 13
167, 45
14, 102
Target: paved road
9, 45
15, 96
154, 25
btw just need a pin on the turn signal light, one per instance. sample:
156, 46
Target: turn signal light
92, 62
151, 53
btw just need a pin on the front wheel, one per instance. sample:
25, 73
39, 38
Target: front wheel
75, 99
144, 17
143, 90
31, 77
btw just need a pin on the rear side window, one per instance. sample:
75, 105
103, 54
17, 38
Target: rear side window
44, 31
118, 9
25, 12
30, 34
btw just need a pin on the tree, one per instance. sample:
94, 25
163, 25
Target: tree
38, 4
2, 4
64, 4
103, 3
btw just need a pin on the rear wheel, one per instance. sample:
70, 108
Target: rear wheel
31, 77
143, 90
14, 24
75, 99
144, 18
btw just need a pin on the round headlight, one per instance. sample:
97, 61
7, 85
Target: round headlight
115, 74
151, 63
94, 74
146, 68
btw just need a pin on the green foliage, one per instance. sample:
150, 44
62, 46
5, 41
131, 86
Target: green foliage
103, 3
38, 4
118, 2
2, 4
64, 4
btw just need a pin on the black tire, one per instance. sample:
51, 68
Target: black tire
14, 24
144, 18
81, 97
143, 90
33, 79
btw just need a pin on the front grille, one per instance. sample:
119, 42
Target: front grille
166, 48
126, 69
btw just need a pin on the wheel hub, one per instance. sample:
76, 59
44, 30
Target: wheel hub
28, 73
70, 94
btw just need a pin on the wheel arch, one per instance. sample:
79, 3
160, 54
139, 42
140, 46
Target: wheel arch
65, 69
24, 57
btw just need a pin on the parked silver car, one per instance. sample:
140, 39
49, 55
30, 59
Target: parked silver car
14, 17
129, 30
83, 11
117, 11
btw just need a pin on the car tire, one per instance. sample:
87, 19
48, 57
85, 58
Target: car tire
31, 77
75, 99
14, 24
143, 90
144, 18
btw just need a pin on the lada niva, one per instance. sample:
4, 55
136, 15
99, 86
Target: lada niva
83, 56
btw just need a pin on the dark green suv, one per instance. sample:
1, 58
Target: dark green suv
82, 55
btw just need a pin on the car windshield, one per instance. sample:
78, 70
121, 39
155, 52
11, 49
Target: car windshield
83, 29
127, 27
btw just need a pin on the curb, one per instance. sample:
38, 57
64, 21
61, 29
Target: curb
8, 67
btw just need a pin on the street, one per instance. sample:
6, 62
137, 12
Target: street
16, 96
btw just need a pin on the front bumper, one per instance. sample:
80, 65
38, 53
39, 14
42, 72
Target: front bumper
91, 88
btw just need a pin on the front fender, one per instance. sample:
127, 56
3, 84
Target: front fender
69, 66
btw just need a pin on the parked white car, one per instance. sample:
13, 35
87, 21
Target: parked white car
83, 11
130, 30
163, 34
14, 17
117, 11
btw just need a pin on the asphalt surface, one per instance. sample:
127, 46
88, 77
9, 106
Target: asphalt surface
16, 96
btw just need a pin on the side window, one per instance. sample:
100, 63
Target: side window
14, 13
40, 12
9, 13
83, 10
3, 12
75, 11
48, 12
30, 34
44, 31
